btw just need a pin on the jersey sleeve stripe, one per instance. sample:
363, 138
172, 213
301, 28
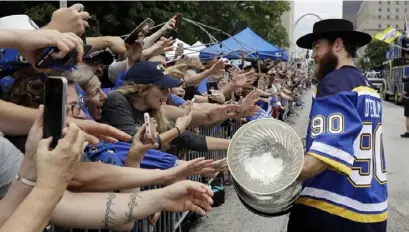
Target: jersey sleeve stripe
342, 212
333, 152
331, 162
364, 90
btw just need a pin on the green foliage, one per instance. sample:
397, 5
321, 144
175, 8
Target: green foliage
376, 51
121, 17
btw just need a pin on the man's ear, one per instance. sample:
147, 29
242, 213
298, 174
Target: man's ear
338, 45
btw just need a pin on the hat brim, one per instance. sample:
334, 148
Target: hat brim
169, 82
360, 38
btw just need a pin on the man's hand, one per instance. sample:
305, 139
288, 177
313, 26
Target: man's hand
28, 167
187, 196
32, 43
250, 100
190, 168
169, 25
134, 52
216, 69
218, 97
70, 19
240, 80
55, 168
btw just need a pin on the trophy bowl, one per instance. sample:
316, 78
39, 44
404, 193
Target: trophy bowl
265, 157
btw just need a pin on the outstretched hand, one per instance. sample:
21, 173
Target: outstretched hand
188, 196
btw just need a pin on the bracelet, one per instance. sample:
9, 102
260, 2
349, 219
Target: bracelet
177, 130
25, 181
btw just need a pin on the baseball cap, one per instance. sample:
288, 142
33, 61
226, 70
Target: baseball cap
147, 72
103, 57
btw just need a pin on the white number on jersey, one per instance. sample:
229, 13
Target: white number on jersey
371, 155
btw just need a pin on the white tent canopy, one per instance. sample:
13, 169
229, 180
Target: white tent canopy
195, 49
171, 54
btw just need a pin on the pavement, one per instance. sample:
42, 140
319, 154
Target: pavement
234, 217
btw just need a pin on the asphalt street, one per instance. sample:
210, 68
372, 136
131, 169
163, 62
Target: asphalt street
233, 216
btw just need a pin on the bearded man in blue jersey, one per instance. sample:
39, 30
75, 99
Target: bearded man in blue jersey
344, 172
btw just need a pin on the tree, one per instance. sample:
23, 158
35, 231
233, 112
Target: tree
376, 52
121, 17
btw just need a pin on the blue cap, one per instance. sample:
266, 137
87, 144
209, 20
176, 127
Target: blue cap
11, 61
147, 72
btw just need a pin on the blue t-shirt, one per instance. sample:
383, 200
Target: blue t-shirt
178, 101
202, 87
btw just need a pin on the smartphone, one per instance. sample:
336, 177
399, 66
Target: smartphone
55, 101
211, 86
190, 92
174, 33
179, 49
150, 128
226, 76
130, 39
70, 59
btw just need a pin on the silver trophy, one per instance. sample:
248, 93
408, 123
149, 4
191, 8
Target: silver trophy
265, 157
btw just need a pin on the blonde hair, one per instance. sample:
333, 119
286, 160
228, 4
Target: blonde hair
177, 70
136, 91
82, 75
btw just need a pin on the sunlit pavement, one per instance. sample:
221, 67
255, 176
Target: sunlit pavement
232, 216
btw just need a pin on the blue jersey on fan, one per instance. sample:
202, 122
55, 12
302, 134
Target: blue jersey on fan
345, 132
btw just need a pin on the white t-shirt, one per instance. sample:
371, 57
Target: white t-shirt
10, 160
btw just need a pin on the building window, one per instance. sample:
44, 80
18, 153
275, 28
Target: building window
380, 2
406, 3
379, 17
380, 25
397, 16
389, 2
388, 25
406, 10
397, 2
396, 26
397, 10
387, 16
388, 10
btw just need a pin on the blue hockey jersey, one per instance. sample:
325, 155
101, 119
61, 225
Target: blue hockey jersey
345, 132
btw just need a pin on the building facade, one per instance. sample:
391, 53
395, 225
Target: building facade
287, 20
376, 16
350, 10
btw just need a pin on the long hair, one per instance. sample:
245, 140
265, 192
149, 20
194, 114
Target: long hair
134, 92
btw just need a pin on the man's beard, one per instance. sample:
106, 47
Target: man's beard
327, 64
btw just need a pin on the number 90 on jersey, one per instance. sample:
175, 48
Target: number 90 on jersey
368, 150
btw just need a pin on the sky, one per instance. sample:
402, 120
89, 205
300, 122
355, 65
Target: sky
324, 9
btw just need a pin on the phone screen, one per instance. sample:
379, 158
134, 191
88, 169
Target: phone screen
226, 76
146, 24
190, 92
211, 86
54, 108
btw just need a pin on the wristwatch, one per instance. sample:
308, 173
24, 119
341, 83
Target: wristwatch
25, 181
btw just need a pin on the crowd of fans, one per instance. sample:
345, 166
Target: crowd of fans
92, 178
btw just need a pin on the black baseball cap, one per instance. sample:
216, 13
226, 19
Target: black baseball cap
103, 57
147, 72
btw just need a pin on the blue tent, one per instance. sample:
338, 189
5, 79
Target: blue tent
247, 40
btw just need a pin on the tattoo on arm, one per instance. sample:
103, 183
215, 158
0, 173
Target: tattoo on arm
131, 205
109, 219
